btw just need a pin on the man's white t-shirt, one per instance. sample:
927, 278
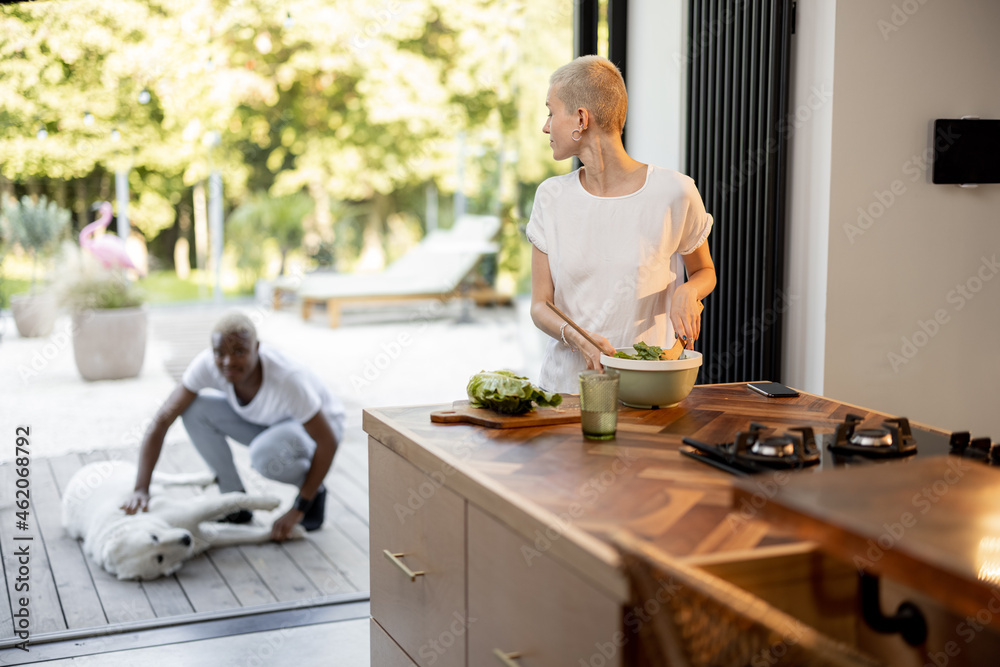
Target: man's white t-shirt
287, 390
615, 260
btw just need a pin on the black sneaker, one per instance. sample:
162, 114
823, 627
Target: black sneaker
239, 516
314, 517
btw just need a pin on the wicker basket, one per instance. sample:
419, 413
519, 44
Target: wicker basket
696, 619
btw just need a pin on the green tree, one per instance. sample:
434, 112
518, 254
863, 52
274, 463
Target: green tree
263, 217
351, 101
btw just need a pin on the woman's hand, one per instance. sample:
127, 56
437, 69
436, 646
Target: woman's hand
590, 353
685, 314
685, 306
139, 502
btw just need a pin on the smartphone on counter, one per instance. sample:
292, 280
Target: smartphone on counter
772, 389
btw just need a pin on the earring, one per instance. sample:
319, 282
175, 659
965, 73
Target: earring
578, 130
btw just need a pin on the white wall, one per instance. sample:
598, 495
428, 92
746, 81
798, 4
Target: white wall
899, 337
808, 206
868, 80
657, 72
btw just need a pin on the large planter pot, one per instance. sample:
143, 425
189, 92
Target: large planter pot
34, 314
109, 344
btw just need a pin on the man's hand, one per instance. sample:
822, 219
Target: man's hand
152, 443
139, 502
282, 528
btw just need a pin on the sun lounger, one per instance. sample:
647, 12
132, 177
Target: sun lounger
443, 265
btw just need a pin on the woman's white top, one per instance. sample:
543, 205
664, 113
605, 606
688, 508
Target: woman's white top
287, 391
614, 260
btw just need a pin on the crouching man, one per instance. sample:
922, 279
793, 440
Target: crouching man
279, 409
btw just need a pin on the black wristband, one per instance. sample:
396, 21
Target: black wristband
303, 505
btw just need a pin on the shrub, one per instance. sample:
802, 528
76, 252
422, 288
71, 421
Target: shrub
35, 226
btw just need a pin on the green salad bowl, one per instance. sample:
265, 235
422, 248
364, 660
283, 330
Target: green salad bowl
654, 384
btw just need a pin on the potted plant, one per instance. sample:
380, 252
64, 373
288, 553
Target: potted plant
35, 226
3, 252
109, 319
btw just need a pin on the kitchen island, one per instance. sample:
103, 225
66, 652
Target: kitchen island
491, 546
933, 524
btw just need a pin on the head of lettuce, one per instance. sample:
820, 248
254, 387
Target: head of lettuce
507, 393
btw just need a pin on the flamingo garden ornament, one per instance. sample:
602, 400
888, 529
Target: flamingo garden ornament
107, 248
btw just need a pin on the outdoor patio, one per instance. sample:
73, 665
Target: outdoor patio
420, 353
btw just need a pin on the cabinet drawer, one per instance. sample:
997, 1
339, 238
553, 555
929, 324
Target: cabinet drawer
523, 601
385, 652
414, 515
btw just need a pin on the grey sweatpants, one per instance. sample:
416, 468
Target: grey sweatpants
282, 452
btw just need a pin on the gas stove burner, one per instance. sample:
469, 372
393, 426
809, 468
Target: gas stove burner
982, 449
893, 439
752, 452
779, 451
871, 437
774, 447
759, 450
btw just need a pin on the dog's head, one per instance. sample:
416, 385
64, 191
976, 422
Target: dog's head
141, 547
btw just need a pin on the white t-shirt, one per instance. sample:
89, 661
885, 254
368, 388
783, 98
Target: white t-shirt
614, 260
287, 391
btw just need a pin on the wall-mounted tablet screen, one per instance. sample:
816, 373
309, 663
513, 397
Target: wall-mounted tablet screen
966, 151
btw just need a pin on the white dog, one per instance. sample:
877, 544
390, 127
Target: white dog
152, 544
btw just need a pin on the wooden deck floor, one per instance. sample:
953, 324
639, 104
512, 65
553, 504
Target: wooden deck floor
70, 595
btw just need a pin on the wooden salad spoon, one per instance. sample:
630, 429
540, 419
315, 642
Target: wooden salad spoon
572, 324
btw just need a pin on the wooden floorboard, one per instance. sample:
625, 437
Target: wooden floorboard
73, 593
69, 592
182, 457
353, 460
6, 617
205, 586
25, 557
7, 507
122, 601
62, 468
353, 497
243, 580
349, 559
166, 597
314, 565
96, 456
176, 459
80, 604
285, 580
347, 523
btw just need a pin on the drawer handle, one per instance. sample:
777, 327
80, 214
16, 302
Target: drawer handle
395, 560
507, 659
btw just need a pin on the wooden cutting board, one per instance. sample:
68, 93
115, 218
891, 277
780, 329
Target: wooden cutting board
567, 412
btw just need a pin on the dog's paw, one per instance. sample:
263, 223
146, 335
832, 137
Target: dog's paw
240, 501
204, 480
199, 479
298, 533
263, 502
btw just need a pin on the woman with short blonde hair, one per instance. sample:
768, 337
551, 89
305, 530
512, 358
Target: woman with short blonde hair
613, 239
593, 83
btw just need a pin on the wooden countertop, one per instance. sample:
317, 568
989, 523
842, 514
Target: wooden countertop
932, 524
549, 483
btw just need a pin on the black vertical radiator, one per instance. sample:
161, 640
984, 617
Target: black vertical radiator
737, 131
